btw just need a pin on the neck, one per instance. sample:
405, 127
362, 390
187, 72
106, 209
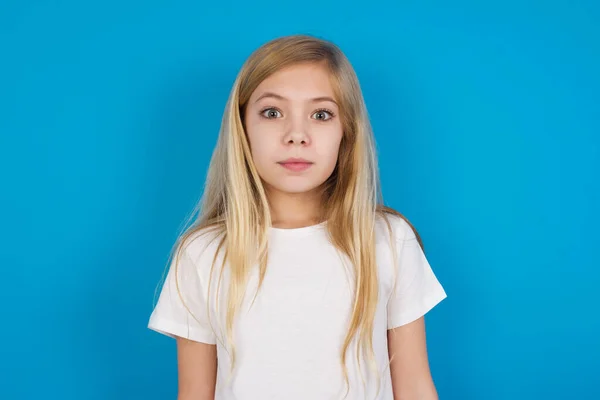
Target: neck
294, 210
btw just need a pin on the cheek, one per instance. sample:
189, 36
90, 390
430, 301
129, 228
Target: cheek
262, 153
329, 146
262, 145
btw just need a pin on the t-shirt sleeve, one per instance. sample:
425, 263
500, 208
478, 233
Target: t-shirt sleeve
182, 312
417, 290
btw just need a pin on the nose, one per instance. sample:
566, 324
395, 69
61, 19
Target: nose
296, 133
297, 138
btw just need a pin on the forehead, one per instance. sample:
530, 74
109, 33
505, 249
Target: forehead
298, 81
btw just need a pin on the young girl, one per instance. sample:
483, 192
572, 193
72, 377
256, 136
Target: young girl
295, 282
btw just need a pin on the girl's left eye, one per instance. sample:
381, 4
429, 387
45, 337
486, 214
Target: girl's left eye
323, 115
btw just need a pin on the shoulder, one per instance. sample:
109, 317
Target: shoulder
391, 224
201, 245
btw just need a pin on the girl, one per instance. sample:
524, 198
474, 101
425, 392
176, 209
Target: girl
295, 282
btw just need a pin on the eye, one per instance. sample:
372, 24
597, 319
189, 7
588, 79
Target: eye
270, 113
323, 114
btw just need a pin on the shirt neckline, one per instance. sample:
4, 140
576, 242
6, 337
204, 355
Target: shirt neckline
290, 232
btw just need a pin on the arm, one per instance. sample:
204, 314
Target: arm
411, 377
197, 370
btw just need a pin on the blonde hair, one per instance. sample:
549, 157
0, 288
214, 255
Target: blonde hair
235, 205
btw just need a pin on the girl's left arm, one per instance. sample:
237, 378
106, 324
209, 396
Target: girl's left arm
411, 376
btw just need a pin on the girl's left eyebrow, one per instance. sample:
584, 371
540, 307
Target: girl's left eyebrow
324, 98
279, 97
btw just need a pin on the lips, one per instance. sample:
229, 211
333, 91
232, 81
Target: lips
296, 164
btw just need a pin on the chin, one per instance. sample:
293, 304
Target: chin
294, 187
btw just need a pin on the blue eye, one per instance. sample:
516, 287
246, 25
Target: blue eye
323, 115
270, 113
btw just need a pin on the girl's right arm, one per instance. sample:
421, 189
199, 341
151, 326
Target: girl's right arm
181, 313
197, 370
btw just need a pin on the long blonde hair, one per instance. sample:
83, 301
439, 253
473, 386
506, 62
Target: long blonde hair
235, 204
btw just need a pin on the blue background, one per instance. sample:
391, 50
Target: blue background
487, 120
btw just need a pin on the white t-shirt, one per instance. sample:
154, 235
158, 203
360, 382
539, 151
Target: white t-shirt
288, 342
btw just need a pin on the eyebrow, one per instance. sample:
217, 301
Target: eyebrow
279, 97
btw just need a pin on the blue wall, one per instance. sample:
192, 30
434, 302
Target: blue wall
487, 120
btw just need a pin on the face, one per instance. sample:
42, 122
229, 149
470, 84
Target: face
294, 129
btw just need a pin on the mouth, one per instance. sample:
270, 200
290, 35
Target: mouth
296, 164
